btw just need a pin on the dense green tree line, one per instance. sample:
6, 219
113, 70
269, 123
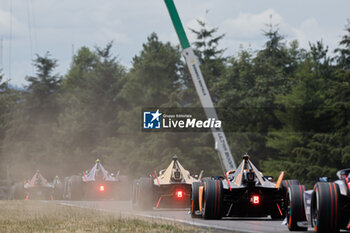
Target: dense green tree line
286, 106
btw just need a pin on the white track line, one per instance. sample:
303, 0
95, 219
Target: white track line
193, 223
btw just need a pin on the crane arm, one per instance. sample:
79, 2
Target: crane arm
221, 145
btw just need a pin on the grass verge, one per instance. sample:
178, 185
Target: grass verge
36, 216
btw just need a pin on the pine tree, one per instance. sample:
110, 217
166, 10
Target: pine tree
211, 58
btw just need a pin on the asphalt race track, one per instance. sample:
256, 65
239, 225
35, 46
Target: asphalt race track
182, 216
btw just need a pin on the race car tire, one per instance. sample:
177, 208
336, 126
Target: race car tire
195, 199
296, 209
206, 178
325, 206
66, 191
212, 200
18, 191
287, 183
284, 189
146, 193
134, 198
76, 188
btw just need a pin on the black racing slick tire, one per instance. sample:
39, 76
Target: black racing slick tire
135, 195
212, 199
325, 206
66, 188
287, 183
295, 207
284, 189
195, 199
145, 195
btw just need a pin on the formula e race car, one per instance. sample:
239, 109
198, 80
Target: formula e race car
326, 207
170, 189
97, 183
38, 188
244, 192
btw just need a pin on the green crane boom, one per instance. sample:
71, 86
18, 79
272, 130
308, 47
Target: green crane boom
221, 145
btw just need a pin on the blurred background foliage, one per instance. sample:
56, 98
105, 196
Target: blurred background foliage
60, 123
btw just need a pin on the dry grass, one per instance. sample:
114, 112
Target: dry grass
36, 216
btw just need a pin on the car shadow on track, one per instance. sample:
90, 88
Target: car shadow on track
267, 219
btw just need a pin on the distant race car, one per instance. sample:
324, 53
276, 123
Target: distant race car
37, 188
97, 183
171, 188
244, 192
326, 207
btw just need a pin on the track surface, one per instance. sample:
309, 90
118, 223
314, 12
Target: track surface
182, 216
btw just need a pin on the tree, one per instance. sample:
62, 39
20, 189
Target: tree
29, 134
156, 79
343, 58
306, 142
248, 92
8, 99
210, 56
42, 90
155, 74
90, 102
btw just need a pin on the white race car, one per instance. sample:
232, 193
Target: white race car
326, 207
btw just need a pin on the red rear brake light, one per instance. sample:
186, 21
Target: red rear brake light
102, 188
255, 200
179, 194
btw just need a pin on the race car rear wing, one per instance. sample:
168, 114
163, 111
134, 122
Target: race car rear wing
167, 176
247, 171
91, 174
